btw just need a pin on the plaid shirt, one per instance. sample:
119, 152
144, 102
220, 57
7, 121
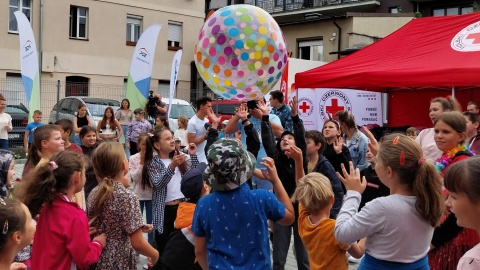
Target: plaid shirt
160, 175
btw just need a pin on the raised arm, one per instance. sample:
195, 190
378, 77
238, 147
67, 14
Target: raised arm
268, 137
299, 132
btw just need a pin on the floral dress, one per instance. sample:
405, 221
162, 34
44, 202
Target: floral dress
119, 219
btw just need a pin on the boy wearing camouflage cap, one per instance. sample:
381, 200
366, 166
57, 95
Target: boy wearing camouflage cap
230, 224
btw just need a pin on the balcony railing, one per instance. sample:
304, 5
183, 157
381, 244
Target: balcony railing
278, 6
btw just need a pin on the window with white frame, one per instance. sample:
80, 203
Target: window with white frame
134, 28
24, 6
78, 22
311, 50
174, 34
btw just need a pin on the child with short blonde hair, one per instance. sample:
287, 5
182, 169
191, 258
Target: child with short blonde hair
315, 196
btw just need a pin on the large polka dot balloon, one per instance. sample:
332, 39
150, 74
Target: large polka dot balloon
241, 52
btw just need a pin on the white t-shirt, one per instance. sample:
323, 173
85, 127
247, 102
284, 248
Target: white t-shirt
197, 127
429, 147
173, 187
182, 135
5, 119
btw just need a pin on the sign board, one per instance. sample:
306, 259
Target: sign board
315, 105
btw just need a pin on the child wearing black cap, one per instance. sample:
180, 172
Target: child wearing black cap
179, 252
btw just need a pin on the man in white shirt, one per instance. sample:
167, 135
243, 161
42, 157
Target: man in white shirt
197, 129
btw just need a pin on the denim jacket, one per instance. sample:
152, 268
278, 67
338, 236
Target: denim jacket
358, 147
285, 115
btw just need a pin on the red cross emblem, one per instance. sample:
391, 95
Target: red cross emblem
304, 107
475, 37
334, 108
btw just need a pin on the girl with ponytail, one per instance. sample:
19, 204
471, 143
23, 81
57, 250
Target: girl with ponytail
62, 239
355, 140
113, 209
163, 173
398, 227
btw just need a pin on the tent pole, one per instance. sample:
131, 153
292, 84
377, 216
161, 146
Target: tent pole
453, 91
385, 109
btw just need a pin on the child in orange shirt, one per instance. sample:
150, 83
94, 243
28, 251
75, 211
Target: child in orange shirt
315, 195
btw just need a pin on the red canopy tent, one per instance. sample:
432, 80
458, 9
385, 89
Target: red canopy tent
427, 57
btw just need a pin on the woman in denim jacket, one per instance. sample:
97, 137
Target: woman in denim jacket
355, 140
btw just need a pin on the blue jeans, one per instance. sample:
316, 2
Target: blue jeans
147, 205
4, 144
122, 140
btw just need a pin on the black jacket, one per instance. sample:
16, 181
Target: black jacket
285, 165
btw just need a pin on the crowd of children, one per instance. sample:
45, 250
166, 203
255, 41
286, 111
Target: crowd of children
338, 191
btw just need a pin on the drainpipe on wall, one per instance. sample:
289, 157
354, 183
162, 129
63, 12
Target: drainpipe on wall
339, 37
40, 47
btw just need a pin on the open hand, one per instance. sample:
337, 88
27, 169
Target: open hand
212, 116
271, 173
338, 145
262, 107
294, 106
373, 144
295, 153
352, 181
242, 112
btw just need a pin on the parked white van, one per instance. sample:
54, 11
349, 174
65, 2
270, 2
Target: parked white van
179, 107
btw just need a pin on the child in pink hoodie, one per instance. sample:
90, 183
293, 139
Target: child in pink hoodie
62, 239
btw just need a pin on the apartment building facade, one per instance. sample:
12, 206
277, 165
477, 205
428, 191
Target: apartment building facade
91, 42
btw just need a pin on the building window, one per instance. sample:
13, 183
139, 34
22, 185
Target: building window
311, 50
393, 10
78, 22
452, 11
174, 35
134, 29
24, 6
164, 88
76, 86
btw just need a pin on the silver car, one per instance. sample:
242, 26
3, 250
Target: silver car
68, 107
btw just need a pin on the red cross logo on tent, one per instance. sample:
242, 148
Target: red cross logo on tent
475, 37
304, 107
334, 108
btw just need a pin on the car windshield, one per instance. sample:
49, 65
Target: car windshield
97, 106
14, 110
179, 110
